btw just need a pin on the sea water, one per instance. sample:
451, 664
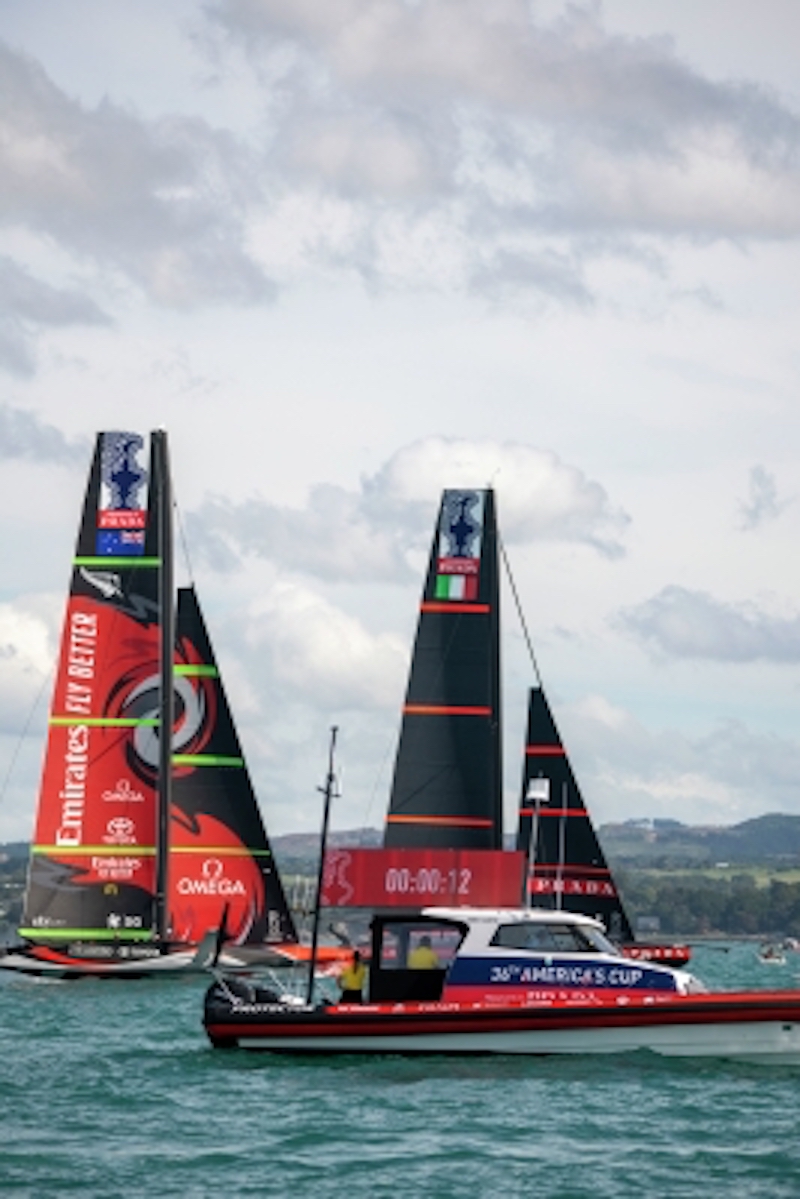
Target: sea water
110, 1089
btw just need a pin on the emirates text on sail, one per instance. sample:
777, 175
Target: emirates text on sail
80, 665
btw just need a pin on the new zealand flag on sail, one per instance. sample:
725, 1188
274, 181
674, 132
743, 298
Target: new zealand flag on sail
121, 517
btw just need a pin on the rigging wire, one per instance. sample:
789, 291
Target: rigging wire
520, 613
23, 734
184, 542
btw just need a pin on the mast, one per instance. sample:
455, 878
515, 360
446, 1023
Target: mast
166, 605
327, 791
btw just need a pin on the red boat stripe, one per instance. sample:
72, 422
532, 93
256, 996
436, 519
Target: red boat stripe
441, 606
447, 821
446, 710
555, 751
697, 1009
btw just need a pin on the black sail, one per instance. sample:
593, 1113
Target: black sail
221, 859
447, 790
567, 866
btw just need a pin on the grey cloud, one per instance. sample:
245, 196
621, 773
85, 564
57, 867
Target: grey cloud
23, 435
763, 504
477, 147
27, 305
369, 534
728, 774
159, 201
691, 624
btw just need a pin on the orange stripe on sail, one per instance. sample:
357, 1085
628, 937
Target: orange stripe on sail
557, 751
452, 606
555, 812
447, 821
446, 710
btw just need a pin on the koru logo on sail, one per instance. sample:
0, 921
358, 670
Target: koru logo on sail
213, 881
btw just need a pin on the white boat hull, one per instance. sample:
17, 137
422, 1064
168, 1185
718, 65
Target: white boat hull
754, 1027
772, 1042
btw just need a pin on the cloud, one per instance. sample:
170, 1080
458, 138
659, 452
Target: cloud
315, 649
763, 504
724, 776
28, 305
692, 624
369, 534
160, 201
499, 121
24, 435
26, 653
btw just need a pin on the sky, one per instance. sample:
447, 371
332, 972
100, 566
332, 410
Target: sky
349, 254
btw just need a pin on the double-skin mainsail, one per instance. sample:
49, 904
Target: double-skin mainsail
140, 844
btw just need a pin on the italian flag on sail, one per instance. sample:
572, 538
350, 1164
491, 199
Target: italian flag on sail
457, 579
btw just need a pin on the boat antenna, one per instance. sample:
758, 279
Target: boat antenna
520, 613
327, 791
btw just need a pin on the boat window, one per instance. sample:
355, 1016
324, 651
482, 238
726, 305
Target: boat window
419, 946
544, 938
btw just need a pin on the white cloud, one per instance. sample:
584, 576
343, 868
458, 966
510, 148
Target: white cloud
316, 650
692, 624
158, 201
722, 777
369, 534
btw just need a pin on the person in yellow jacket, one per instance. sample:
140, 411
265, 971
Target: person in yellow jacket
423, 957
352, 980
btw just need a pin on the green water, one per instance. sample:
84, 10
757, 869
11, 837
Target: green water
110, 1089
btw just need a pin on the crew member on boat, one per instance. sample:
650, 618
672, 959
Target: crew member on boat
423, 956
352, 980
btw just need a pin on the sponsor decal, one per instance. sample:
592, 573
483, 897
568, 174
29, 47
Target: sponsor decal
73, 793
121, 517
111, 518
115, 920
212, 882
123, 792
572, 886
119, 869
460, 535
120, 830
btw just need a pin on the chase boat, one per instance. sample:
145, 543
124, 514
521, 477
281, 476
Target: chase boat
510, 981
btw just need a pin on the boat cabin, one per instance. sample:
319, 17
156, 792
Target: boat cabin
472, 953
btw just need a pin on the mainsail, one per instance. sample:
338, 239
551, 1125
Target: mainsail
446, 792
92, 873
219, 851
566, 864
142, 843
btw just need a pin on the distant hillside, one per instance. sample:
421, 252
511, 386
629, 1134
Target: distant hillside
772, 840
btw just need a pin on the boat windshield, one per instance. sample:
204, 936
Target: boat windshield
552, 938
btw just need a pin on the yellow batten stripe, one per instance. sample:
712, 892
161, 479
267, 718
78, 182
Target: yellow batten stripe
222, 851
111, 851
197, 671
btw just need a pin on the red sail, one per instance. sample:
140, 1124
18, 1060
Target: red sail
94, 848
